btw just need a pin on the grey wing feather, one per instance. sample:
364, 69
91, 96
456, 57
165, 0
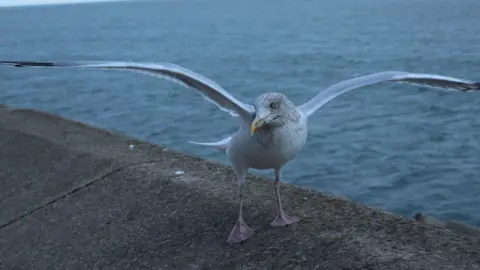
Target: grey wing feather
207, 88
342, 87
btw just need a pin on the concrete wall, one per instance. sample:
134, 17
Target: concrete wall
73, 196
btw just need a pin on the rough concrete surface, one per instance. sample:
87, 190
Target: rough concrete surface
76, 197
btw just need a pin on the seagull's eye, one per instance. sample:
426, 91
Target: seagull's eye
273, 105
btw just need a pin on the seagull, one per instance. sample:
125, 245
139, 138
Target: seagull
272, 129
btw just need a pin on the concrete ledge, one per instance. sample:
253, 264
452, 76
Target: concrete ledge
448, 224
74, 196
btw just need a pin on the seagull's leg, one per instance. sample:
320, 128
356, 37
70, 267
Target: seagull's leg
241, 231
282, 218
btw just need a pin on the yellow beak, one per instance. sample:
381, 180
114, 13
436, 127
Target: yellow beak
252, 128
256, 124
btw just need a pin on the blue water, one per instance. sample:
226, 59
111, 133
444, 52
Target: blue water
402, 148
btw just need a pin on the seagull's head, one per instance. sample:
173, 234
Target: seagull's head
271, 110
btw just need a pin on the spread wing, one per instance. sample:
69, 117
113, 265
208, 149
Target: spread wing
207, 88
343, 87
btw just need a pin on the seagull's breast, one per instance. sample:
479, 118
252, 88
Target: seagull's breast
272, 149
289, 140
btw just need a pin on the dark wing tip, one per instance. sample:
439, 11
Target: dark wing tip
476, 86
472, 87
26, 63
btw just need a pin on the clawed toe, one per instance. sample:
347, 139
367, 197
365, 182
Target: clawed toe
283, 219
240, 232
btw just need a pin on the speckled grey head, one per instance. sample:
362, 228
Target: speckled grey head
271, 110
269, 100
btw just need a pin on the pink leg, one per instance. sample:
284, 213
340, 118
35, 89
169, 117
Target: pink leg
241, 231
282, 218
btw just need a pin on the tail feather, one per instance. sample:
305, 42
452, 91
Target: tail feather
220, 145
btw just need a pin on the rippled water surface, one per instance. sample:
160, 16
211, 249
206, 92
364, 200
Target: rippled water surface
403, 148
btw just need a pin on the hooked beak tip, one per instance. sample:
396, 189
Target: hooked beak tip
253, 129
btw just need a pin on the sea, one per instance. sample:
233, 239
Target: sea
403, 148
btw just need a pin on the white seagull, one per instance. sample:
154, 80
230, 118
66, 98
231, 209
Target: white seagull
273, 130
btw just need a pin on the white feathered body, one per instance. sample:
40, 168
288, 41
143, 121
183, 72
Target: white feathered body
267, 149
